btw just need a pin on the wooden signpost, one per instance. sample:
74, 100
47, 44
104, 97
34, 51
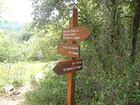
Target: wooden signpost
71, 49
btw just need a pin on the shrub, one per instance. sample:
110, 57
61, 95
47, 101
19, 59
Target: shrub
51, 91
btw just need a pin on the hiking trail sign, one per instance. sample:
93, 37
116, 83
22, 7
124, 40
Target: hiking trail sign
79, 33
67, 66
72, 35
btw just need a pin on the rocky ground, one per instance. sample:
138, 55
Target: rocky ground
15, 96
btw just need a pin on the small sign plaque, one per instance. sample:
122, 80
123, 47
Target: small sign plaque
70, 50
76, 33
67, 66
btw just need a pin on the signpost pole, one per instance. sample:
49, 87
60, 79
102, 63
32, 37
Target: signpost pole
71, 75
73, 34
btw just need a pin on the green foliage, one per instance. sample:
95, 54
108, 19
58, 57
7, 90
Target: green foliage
29, 44
48, 11
7, 51
42, 44
51, 91
19, 73
3, 46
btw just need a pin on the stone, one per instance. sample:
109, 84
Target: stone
39, 76
8, 88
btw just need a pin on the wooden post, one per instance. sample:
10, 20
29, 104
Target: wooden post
73, 34
71, 75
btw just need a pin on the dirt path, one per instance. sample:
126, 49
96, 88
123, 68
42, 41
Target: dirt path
16, 97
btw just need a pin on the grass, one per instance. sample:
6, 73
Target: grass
20, 73
51, 91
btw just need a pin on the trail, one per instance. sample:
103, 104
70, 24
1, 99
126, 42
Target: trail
16, 97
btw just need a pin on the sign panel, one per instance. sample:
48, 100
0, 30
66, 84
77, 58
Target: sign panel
76, 33
67, 66
70, 50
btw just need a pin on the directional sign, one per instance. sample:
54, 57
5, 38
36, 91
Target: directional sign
76, 33
67, 66
70, 50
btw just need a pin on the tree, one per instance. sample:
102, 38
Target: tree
48, 11
136, 20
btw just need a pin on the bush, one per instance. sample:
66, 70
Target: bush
18, 73
51, 91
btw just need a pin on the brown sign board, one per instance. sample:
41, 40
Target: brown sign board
76, 33
70, 50
67, 66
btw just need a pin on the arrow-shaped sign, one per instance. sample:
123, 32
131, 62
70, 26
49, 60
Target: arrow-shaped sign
67, 66
76, 33
70, 50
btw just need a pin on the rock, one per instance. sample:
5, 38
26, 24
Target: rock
8, 88
39, 76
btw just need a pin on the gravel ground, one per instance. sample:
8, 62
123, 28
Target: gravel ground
16, 97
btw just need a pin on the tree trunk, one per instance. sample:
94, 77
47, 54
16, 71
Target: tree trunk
135, 28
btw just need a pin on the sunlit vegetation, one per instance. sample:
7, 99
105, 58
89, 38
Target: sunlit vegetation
20, 73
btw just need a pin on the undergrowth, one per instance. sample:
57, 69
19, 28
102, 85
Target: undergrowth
19, 73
